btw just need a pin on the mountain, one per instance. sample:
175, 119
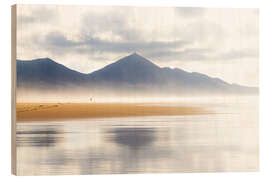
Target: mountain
133, 74
46, 73
133, 69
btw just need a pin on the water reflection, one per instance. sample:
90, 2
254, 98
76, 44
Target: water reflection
37, 141
134, 138
40, 138
46, 132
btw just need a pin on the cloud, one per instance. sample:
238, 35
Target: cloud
115, 25
200, 54
188, 54
120, 30
57, 43
240, 54
189, 12
37, 15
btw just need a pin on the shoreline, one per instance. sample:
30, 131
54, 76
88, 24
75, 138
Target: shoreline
27, 112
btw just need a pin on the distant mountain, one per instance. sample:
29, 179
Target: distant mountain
132, 69
132, 73
46, 73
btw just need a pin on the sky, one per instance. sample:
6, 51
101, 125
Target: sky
219, 42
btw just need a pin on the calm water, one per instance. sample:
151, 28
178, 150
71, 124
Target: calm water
225, 141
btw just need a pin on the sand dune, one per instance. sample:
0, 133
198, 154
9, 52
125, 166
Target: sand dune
65, 111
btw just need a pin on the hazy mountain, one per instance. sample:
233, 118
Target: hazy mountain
132, 74
46, 73
133, 69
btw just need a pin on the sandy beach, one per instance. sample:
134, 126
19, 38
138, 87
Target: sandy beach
65, 111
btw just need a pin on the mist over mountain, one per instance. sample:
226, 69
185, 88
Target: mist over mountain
132, 74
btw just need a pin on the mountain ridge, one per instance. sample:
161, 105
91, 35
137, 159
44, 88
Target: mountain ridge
131, 73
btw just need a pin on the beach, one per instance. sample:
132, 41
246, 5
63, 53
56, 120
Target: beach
65, 111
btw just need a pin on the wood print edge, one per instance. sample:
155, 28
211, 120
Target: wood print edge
13, 88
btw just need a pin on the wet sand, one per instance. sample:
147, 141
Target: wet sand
64, 111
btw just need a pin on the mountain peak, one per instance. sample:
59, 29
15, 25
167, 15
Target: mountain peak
135, 56
133, 68
36, 60
46, 59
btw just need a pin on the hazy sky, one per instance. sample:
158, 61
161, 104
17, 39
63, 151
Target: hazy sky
218, 42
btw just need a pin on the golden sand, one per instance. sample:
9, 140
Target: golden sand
65, 111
